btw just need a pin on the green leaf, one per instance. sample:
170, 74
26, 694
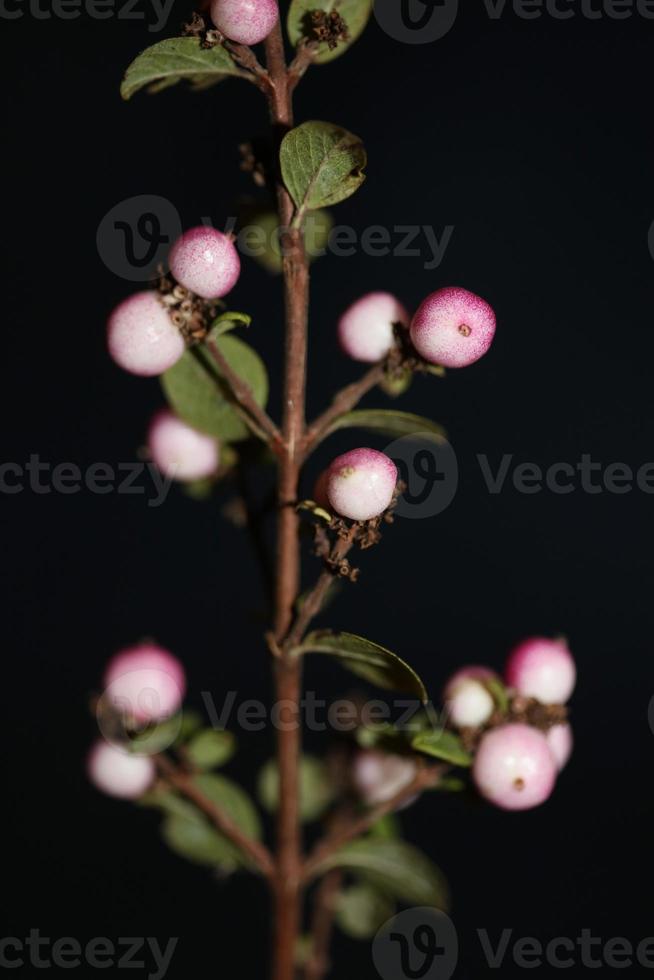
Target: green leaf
315, 787
395, 867
196, 392
442, 744
190, 834
498, 692
193, 838
229, 796
389, 422
386, 828
361, 910
322, 164
227, 321
168, 62
210, 748
265, 246
355, 13
366, 660
154, 738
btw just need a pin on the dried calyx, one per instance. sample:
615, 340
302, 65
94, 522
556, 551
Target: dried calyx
191, 314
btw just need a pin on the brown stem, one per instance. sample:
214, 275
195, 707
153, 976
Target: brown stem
344, 401
425, 777
183, 783
288, 676
243, 394
313, 602
322, 925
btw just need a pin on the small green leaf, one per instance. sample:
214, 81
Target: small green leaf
442, 744
155, 738
389, 422
395, 867
367, 660
315, 787
229, 796
168, 62
322, 164
259, 237
227, 321
210, 748
361, 910
355, 13
387, 828
196, 392
498, 692
193, 838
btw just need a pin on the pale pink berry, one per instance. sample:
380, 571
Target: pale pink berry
543, 669
179, 451
453, 327
206, 262
245, 21
144, 683
514, 767
468, 701
361, 483
118, 773
365, 330
559, 738
142, 338
379, 776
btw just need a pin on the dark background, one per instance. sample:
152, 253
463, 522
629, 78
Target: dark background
532, 138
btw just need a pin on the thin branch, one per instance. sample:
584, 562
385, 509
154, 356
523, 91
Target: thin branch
246, 58
322, 925
426, 776
265, 427
344, 401
313, 602
303, 60
288, 670
183, 782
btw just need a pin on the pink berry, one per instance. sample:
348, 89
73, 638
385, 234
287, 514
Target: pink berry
361, 483
469, 702
559, 738
543, 669
206, 262
453, 327
179, 451
142, 338
145, 683
365, 330
514, 767
245, 21
118, 773
379, 776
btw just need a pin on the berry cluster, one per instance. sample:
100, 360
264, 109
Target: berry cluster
452, 327
143, 336
143, 686
521, 738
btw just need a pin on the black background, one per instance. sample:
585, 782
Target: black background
531, 138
